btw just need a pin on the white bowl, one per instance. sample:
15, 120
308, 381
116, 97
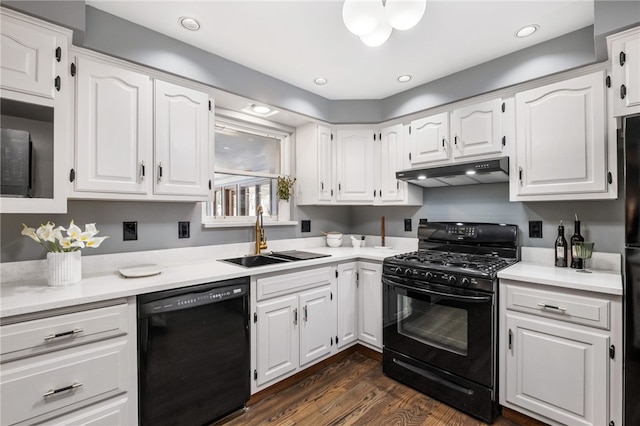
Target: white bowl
334, 242
334, 235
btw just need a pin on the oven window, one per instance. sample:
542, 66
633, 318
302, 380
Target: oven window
433, 323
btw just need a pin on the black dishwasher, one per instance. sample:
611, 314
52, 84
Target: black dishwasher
193, 353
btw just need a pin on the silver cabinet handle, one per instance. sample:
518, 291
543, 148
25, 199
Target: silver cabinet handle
510, 339
142, 171
69, 388
305, 313
73, 332
295, 316
160, 172
557, 308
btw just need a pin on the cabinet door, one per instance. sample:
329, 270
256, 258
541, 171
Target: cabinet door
389, 159
355, 171
625, 58
476, 130
347, 303
370, 304
429, 139
558, 371
28, 53
317, 329
181, 140
561, 145
113, 129
277, 338
326, 166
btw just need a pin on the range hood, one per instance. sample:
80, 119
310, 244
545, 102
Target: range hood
471, 173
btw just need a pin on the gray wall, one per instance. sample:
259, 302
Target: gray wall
157, 227
602, 221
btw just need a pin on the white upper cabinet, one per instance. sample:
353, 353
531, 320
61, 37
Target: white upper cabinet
181, 140
562, 149
624, 50
430, 139
355, 166
315, 165
326, 164
113, 129
37, 107
389, 158
29, 56
119, 156
476, 130
480, 130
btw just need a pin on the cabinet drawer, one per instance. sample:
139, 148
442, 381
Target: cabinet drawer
70, 378
53, 333
290, 283
116, 411
590, 311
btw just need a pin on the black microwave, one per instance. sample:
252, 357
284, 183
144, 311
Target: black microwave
16, 164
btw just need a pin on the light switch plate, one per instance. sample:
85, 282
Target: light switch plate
184, 229
129, 231
535, 229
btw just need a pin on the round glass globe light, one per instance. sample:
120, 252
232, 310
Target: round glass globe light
360, 16
404, 14
378, 36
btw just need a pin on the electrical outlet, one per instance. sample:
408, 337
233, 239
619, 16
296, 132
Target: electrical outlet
535, 229
305, 226
183, 230
129, 231
407, 225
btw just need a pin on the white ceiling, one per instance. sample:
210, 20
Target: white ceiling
298, 40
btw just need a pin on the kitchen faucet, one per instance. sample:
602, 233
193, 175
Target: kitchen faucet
261, 242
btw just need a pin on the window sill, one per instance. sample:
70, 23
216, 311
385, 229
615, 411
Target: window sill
246, 224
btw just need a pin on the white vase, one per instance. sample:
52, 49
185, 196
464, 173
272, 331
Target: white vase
284, 211
64, 268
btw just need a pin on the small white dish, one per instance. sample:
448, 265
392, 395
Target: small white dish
140, 271
382, 247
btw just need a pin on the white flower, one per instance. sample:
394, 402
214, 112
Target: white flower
46, 232
86, 236
69, 243
30, 232
95, 242
91, 229
74, 231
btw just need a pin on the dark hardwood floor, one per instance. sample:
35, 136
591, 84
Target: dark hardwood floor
352, 391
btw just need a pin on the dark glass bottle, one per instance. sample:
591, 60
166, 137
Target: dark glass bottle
561, 247
576, 262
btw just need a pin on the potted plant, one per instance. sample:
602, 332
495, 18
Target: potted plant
63, 252
284, 191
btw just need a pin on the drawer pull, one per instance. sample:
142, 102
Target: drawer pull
66, 333
71, 388
557, 308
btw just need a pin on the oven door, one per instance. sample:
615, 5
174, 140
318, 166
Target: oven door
449, 328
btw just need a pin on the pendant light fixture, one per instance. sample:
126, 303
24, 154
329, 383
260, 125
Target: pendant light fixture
374, 20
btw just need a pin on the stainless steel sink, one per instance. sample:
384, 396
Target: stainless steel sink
273, 258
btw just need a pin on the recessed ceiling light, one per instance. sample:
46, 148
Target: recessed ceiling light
260, 109
470, 172
404, 78
190, 23
320, 81
422, 177
527, 31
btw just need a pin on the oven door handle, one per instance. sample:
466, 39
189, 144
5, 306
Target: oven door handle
472, 299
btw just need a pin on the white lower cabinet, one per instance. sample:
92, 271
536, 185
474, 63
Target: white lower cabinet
70, 368
295, 323
347, 304
370, 304
560, 354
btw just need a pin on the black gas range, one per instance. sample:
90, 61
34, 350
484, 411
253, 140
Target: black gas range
440, 316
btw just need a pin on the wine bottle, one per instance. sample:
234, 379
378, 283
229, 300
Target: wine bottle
561, 247
576, 262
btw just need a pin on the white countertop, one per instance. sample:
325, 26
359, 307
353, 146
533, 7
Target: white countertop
537, 267
33, 295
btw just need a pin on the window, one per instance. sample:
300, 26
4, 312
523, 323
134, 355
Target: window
248, 161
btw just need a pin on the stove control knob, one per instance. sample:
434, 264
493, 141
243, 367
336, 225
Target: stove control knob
465, 281
408, 272
452, 279
428, 276
397, 271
